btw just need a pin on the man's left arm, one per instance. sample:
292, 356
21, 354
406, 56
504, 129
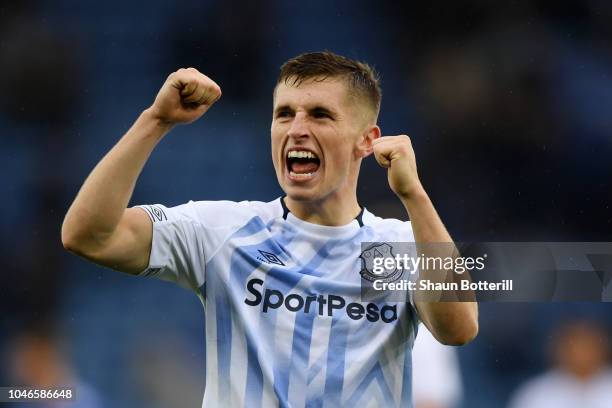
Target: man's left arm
452, 323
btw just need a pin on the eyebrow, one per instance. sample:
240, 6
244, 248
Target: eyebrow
314, 109
322, 109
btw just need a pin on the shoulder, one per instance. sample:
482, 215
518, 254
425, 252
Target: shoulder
214, 214
223, 213
390, 229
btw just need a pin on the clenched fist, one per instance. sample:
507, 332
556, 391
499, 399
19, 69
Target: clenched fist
185, 96
396, 154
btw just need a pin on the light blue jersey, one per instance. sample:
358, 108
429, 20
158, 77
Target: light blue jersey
285, 324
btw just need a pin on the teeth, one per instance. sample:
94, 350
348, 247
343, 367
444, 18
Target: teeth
300, 175
301, 154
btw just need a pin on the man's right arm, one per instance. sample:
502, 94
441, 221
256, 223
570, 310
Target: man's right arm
99, 226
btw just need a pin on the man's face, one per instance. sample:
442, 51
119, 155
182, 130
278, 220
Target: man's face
317, 138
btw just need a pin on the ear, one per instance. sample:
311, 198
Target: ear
364, 146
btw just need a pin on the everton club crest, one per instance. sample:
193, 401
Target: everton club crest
373, 265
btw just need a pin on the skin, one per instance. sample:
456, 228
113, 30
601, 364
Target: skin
318, 115
323, 117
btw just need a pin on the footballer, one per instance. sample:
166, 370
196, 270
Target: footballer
280, 281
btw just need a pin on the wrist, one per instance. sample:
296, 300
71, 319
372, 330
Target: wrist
148, 128
413, 195
151, 115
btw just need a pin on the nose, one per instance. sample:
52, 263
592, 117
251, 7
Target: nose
299, 127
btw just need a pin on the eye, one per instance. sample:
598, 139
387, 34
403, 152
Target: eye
283, 114
321, 115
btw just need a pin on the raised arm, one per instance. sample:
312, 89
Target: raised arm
99, 226
452, 323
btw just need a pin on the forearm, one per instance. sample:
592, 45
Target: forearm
105, 194
450, 322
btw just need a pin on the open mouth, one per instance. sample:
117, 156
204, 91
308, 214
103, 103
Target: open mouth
302, 164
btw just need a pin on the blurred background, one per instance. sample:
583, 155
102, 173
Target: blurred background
509, 106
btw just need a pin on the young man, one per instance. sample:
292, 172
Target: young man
280, 281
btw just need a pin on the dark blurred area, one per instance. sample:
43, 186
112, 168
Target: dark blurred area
507, 104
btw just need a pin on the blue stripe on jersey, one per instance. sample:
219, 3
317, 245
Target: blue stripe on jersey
407, 385
315, 402
255, 376
300, 349
223, 315
316, 368
224, 338
377, 375
334, 380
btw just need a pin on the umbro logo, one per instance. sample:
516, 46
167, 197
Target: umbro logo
155, 212
269, 258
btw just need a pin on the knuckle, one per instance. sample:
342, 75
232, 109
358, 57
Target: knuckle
404, 146
212, 87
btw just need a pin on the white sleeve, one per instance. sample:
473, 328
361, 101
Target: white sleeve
178, 247
436, 377
187, 236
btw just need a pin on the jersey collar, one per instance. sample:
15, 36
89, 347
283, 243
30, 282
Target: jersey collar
286, 212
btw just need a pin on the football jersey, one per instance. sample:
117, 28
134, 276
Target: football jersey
284, 320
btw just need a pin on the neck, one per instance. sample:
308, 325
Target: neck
330, 211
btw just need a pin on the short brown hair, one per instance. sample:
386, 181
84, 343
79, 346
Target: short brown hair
360, 77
